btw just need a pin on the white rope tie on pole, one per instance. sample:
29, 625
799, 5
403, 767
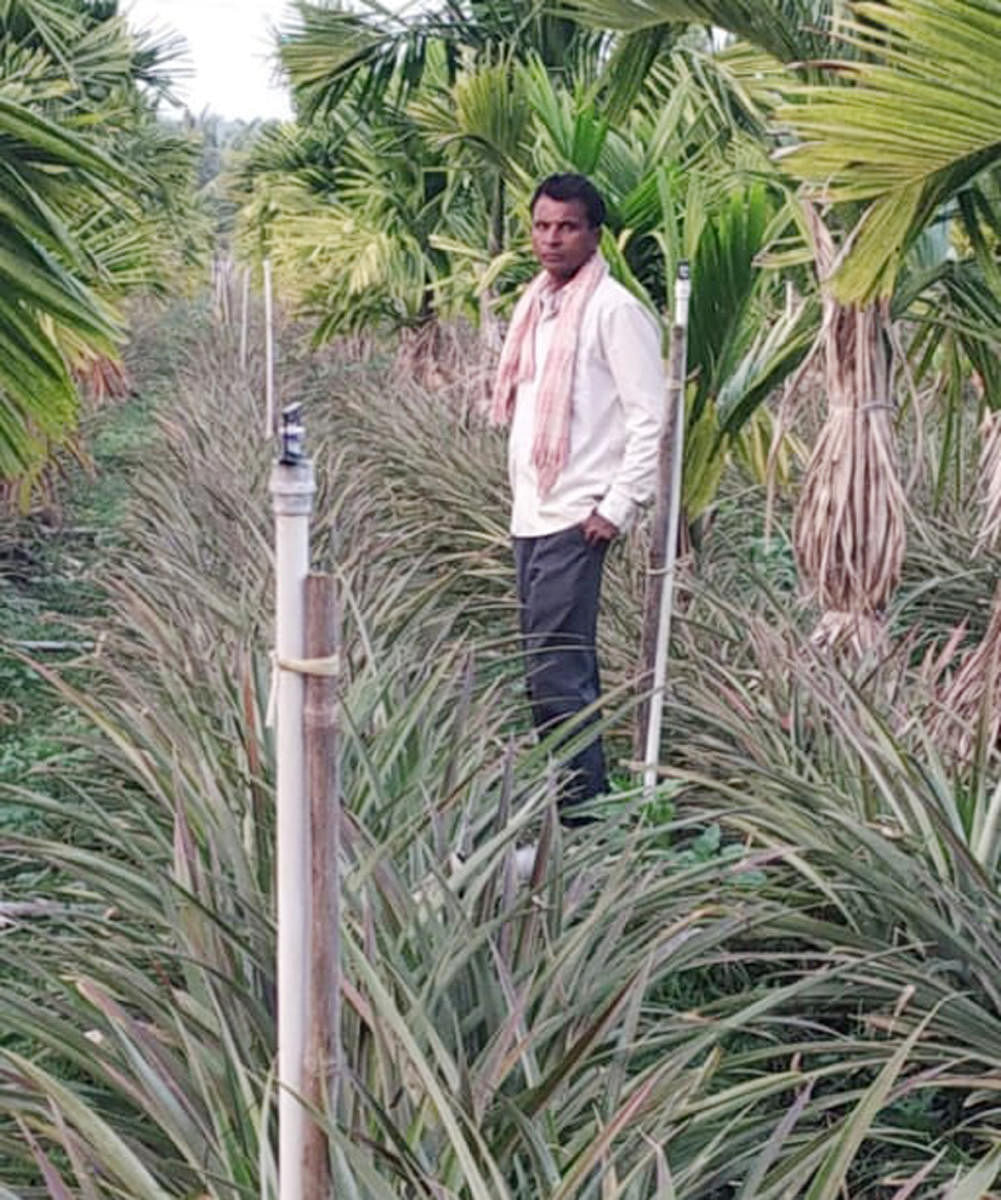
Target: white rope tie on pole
331, 665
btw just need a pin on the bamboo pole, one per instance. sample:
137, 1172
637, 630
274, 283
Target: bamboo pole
269, 355
664, 540
323, 1047
292, 486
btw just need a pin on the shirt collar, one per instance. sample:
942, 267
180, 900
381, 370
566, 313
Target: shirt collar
550, 302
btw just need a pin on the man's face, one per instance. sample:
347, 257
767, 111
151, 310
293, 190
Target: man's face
562, 239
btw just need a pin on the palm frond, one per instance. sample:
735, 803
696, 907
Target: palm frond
791, 30
919, 121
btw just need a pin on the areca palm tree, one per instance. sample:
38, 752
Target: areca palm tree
78, 228
849, 526
917, 140
447, 76
44, 168
328, 52
497, 117
904, 135
346, 210
919, 126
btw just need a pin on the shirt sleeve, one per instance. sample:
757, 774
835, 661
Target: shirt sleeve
631, 342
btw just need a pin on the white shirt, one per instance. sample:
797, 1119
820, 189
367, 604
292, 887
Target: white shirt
617, 412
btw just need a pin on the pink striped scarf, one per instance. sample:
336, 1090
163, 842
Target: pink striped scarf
553, 405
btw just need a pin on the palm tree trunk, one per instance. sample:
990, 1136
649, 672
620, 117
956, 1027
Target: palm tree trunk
849, 527
490, 327
497, 217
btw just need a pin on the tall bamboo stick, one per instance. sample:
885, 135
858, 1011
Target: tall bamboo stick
664, 540
323, 1058
292, 487
269, 355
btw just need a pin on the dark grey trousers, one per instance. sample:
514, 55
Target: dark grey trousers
559, 585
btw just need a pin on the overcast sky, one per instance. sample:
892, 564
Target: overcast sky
229, 46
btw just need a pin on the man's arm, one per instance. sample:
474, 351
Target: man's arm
631, 342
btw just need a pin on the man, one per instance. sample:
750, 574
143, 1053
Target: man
581, 382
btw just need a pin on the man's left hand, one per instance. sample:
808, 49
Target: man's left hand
597, 529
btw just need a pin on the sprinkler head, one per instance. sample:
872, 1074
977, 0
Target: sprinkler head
292, 434
682, 292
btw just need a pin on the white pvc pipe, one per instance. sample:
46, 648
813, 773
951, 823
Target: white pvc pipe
269, 356
244, 317
225, 275
292, 486
651, 757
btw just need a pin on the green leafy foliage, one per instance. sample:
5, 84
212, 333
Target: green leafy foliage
756, 985
780, 976
95, 196
926, 68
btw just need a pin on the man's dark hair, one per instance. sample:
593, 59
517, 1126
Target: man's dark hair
573, 187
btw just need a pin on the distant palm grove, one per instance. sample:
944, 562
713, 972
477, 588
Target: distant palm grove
780, 975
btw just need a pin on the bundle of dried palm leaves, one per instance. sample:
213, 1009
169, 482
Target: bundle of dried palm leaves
849, 527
